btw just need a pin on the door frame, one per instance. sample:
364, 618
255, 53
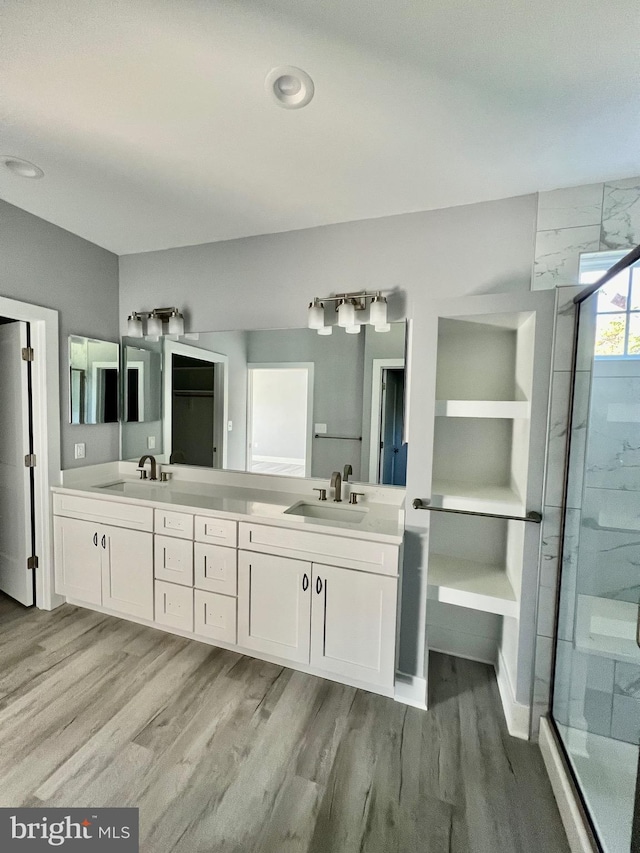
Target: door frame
379, 365
221, 389
45, 404
309, 366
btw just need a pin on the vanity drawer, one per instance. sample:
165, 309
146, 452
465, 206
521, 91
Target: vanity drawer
178, 524
216, 568
216, 531
131, 516
173, 560
174, 605
376, 557
215, 616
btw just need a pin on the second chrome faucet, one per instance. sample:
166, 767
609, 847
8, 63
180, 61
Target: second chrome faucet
336, 485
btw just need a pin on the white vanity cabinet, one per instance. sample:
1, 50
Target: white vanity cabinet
274, 595
337, 620
323, 602
105, 565
353, 624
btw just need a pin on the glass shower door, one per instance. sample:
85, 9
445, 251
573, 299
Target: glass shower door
596, 699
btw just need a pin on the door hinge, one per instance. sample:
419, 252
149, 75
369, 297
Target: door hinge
30, 460
28, 354
32, 562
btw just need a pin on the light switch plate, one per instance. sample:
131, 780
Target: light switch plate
229, 426
80, 450
151, 442
321, 429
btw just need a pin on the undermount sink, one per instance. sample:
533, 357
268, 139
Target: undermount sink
127, 485
327, 513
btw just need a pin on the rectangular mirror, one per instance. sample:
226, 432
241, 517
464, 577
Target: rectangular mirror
93, 381
285, 401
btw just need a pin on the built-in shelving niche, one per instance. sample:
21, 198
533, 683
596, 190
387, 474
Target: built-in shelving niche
483, 390
481, 463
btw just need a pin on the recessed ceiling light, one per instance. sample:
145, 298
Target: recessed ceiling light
290, 87
20, 167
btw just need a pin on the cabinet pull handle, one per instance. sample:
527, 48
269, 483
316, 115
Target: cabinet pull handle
104, 541
305, 582
95, 539
318, 585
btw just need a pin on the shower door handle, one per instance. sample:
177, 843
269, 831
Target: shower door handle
638, 628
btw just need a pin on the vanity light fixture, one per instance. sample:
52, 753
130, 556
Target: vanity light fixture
134, 325
21, 168
155, 319
316, 315
348, 306
154, 324
378, 314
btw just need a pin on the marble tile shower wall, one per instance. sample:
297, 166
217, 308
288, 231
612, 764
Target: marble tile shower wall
590, 218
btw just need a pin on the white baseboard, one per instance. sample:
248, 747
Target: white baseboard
577, 834
411, 690
517, 716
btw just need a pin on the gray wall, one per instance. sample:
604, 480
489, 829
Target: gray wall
48, 266
267, 282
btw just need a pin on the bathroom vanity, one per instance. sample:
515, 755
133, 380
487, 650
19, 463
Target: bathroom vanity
252, 563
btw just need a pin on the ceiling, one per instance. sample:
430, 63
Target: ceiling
153, 127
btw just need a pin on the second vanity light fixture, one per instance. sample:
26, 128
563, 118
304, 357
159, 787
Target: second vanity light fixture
348, 306
155, 319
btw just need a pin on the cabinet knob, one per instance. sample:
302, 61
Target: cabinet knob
305, 582
318, 585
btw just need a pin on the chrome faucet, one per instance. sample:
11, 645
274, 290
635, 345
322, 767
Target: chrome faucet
152, 459
348, 470
336, 483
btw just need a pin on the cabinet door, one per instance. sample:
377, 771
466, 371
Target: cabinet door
214, 615
173, 560
353, 624
127, 571
174, 605
274, 603
216, 568
78, 559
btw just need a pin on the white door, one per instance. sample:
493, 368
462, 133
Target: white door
274, 604
78, 559
353, 624
127, 571
16, 544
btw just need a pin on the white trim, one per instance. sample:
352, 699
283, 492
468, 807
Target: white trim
309, 366
410, 690
378, 365
221, 388
45, 374
517, 716
570, 813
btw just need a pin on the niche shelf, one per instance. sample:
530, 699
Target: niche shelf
471, 584
482, 409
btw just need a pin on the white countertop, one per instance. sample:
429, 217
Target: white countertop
382, 522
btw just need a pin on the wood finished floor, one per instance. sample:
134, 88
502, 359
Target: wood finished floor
226, 754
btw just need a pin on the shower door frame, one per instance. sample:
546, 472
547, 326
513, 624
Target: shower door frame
628, 260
